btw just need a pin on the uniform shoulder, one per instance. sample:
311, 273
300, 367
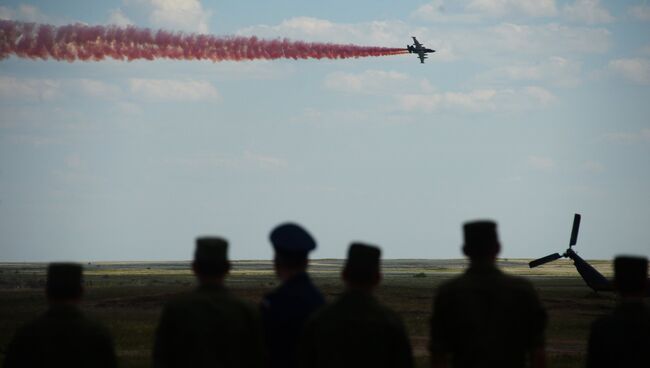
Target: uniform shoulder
392, 317
451, 284
517, 281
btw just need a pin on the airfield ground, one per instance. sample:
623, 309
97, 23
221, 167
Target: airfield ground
128, 296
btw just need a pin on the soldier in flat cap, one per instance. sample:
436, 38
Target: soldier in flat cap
622, 338
485, 318
356, 330
285, 310
63, 336
209, 327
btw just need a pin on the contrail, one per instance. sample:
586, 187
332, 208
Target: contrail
92, 43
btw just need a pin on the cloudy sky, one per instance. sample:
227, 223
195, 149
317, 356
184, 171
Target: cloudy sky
529, 111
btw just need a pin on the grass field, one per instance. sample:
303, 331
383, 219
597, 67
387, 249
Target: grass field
128, 296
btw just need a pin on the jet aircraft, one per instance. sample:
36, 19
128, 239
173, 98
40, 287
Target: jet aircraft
418, 48
594, 279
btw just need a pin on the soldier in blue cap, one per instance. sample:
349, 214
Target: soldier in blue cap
63, 336
285, 310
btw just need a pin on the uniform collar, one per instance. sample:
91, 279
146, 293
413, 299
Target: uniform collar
483, 268
356, 294
632, 305
300, 277
211, 287
63, 310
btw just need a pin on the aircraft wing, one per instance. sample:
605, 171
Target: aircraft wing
415, 41
422, 56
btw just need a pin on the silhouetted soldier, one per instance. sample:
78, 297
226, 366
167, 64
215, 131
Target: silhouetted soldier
356, 330
485, 318
622, 338
63, 336
209, 327
285, 310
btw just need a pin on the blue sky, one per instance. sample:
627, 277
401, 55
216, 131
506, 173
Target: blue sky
529, 111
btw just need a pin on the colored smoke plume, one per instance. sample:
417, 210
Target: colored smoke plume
92, 43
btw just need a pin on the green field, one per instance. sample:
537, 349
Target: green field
128, 296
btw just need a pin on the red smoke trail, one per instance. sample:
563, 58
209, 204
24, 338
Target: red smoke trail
81, 42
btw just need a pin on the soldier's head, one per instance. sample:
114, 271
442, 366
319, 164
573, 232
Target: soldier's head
291, 244
631, 275
481, 242
211, 259
362, 269
64, 282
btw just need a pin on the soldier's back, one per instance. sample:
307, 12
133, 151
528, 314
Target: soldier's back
208, 328
355, 331
621, 339
485, 318
284, 313
62, 337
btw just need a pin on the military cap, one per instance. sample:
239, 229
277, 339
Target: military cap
363, 258
211, 250
482, 232
64, 280
631, 273
290, 238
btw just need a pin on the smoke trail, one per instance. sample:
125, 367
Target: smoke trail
81, 42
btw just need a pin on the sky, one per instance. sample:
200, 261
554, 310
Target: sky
528, 112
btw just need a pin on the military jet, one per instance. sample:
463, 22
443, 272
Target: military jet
418, 48
594, 279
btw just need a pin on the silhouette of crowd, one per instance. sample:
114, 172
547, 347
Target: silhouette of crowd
482, 318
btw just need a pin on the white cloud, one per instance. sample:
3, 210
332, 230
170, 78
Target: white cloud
593, 166
540, 163
96, 88
436, 11
29, 89
321, 30
588, 11
266, 162
645, 50
174, 90
640, 12
533, 8
245, 160
478, 100
539, 95
117, 17
368, 82
176, 15
75, 162
26, 13
475, 101
550, 38
642, 135
33, 139
636, 70
555, 70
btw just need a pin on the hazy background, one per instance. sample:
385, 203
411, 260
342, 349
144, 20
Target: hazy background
531, 110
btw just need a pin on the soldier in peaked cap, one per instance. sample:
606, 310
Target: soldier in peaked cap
63, 336
209, 327
285, 310
485, 318
622, 338
356, 330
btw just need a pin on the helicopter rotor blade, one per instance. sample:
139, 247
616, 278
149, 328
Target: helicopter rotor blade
574, 230
543, 260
